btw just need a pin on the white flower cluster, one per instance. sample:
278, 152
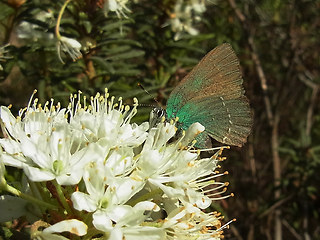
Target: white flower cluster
117, 6
103, 177
33, 32
185, 14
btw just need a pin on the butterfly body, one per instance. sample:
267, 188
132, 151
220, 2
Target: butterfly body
212, 94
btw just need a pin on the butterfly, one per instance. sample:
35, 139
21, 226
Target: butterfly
212, 94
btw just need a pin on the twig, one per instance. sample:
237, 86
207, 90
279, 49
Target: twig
308, 79
291, 229
315, 90
236, 232
273, 119
262, 78
274, 206
252, 160
239, 14
276, 175
256, 60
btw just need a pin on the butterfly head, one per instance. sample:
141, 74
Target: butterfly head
156, 116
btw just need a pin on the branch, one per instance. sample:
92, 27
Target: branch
291, 229
273, 119
307, 79
256, 60
276, 205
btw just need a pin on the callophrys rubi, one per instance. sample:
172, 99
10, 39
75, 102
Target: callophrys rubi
212, 94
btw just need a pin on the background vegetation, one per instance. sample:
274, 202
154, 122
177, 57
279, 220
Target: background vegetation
275, 176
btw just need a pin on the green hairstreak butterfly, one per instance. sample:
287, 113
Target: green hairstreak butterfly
212, 94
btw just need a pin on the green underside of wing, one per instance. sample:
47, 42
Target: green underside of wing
227, 121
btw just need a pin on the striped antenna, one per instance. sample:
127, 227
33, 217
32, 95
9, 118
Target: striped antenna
150, 96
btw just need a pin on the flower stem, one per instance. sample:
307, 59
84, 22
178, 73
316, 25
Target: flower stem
27, 197
59, 18
61, 196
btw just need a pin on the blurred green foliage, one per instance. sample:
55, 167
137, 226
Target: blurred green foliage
118, 53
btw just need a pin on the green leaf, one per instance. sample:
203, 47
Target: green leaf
130, 54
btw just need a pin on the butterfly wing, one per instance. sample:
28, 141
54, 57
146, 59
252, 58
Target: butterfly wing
228, 121
212, 94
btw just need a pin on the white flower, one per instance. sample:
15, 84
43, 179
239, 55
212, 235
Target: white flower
117, 6
42, 163
198, 6
130, 182
184, 16
108, 196
108, 123
41, 143
173, 171
36, 32
189, 222
70, 46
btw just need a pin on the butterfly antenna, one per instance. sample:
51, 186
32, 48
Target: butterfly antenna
149, 94
210, 149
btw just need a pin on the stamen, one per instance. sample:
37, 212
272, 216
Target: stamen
110, 104
226, 225
120, 102
32, 95
85, 102
51, 105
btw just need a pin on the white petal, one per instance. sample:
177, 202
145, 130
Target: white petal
151, 161
194, 130
116, 234
126, 188
73, 226
102, 221
120, 160
166, 133
150, 139
13, 161
70, 178
10, 146
82, 201
59, 143
31, 150
37, 174
92, 153
133, 216
192, 31
9, 120
70, 41
93, 177
147, 205
36, 124
174, 217
168, 190
198, 198
119, 212
113, 6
